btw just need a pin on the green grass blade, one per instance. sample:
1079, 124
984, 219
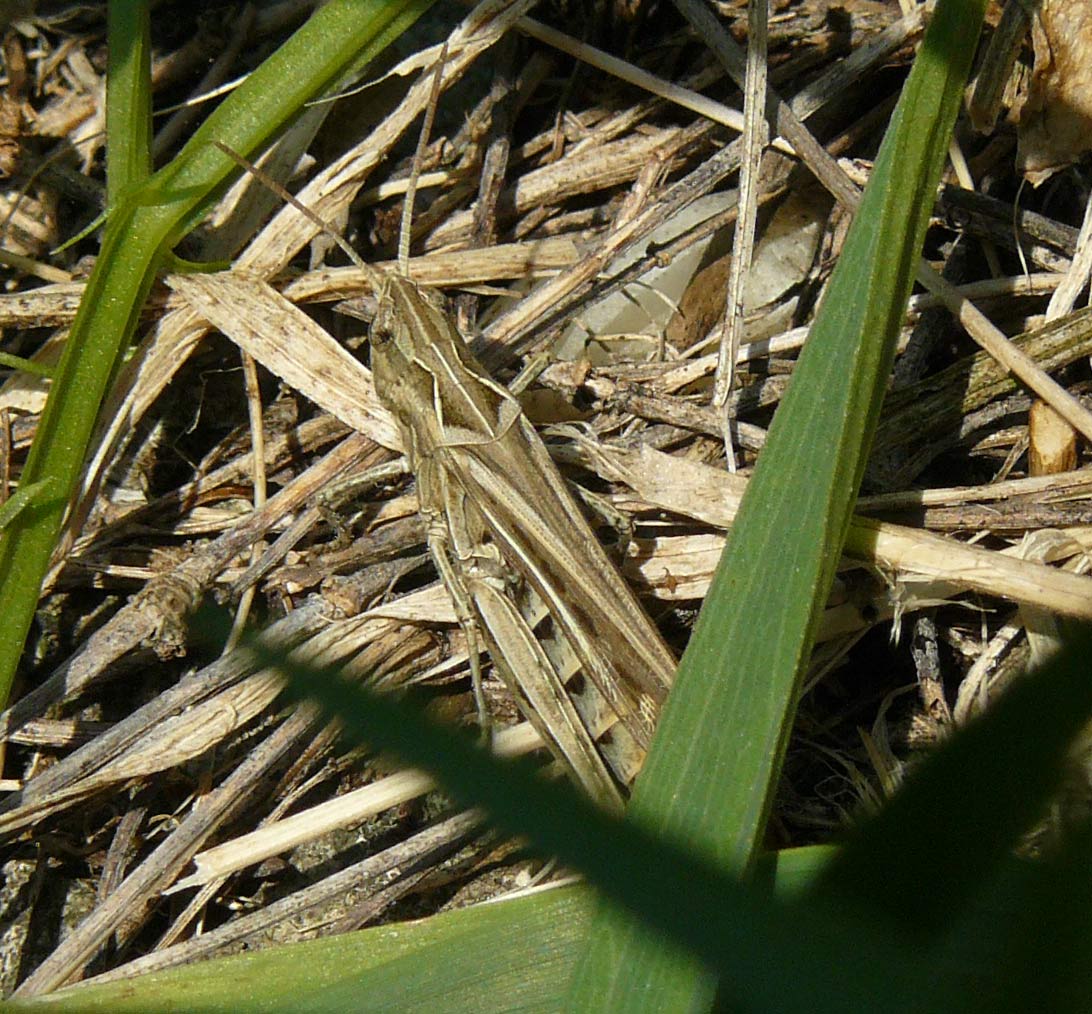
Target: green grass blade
838, 947
13, 362
128, 98
935, 866
1029, 936
710, 777
145, 223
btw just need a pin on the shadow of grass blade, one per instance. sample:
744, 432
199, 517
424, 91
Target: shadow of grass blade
709, 780
963, 809
140, 230
731, 925
935, 865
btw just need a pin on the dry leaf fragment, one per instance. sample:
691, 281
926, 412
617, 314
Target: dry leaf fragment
1056, 121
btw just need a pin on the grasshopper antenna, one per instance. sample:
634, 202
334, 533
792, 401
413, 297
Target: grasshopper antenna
373, 277
418, 158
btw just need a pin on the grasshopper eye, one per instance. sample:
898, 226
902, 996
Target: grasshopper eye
382, 329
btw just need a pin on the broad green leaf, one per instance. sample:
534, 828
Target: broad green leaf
506, 956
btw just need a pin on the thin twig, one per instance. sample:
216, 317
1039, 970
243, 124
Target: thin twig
755, 135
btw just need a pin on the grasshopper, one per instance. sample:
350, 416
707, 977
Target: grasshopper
495, 504
510, 543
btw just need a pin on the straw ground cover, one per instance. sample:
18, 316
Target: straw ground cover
634, 425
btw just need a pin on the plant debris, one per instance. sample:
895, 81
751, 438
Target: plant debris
130, 752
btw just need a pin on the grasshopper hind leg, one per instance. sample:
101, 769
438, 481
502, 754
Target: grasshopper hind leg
623, 755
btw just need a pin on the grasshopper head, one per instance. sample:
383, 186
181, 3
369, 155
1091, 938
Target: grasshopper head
407, 315
402, 339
